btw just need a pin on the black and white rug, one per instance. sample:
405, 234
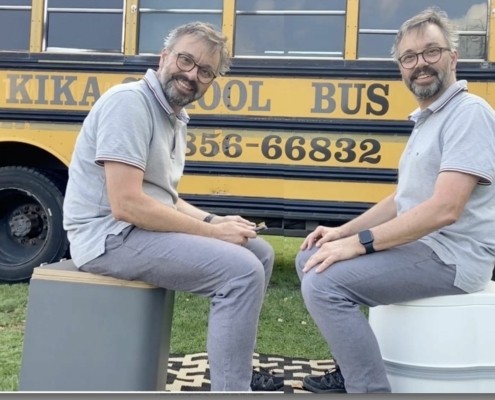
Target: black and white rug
190, 372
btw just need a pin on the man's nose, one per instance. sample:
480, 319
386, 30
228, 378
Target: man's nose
193, 74
421, 60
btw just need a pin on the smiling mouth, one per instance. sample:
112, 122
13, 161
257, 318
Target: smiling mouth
423, 76
184, 84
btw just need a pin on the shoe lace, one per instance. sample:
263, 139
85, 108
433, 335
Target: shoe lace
333, 378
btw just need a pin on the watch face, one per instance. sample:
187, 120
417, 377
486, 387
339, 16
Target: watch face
365, 237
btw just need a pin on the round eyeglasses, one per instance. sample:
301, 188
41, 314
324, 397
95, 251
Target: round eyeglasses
431, 56
186, 63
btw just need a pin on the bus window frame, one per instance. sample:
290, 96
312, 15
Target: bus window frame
287, 54
182, 11
45, 48
487, 33
28, 8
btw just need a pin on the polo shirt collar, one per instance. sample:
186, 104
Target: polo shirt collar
442, 101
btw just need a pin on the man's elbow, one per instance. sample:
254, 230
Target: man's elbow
118, 214
450, 215
122, 212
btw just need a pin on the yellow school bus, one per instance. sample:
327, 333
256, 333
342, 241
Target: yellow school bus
307, 128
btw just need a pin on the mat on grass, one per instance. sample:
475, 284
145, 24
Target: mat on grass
190, 372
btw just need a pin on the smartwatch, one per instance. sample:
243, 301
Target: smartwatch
366, 239
209, 217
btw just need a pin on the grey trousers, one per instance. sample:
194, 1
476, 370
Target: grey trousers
333, 297
234, 277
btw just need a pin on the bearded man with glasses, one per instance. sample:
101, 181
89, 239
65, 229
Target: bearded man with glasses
433, 236
124, 216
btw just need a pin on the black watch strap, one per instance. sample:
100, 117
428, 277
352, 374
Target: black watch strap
209, 217
366, 239
369, 248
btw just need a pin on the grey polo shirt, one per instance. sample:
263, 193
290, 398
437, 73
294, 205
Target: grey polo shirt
455, 133
131, 123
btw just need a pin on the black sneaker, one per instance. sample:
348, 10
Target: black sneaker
263, 380
330, 382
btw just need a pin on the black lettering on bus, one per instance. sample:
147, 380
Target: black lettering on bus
230, 145
18, 88
215, 101
346, 97
377, 94
191, 145
347, 154
255, 98
91, 90
371, 149
209, 146
41, 89
227, 97
324, 101
294, 148
270, 147
61, 87
274, 147
320, 151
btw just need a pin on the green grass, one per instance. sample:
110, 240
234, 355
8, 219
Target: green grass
285, 326
13, 299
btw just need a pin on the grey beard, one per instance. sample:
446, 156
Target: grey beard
425, 93
175, 98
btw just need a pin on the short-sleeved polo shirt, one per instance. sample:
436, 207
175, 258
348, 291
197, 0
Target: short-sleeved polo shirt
131, 123
455, 133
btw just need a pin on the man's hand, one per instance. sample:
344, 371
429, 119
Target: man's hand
320, 235
234, 231
333, 251
236, 218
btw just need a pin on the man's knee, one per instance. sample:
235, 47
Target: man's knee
263, 251
248, 269
301, 258
318, 287
308, 290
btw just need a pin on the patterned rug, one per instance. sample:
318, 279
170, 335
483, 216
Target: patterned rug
190, 372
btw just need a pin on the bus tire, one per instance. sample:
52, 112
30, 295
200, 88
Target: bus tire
31, 226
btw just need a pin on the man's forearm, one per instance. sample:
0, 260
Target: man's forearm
381, 212
188, 209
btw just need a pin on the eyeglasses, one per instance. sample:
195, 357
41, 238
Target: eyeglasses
431, 56
186, 64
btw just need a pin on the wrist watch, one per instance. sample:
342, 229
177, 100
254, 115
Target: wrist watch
366, 239
209, 217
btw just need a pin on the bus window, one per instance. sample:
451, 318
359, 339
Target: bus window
15, 13
285, 28
472, 26
379, 21
155, 22
84, 25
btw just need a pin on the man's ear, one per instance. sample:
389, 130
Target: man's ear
163, 56
454, 58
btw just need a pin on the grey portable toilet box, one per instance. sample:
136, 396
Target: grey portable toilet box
87, 332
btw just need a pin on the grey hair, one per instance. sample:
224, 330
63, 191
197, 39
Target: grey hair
431, 15
215, 39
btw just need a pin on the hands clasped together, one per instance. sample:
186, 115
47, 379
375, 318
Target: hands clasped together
234, 229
